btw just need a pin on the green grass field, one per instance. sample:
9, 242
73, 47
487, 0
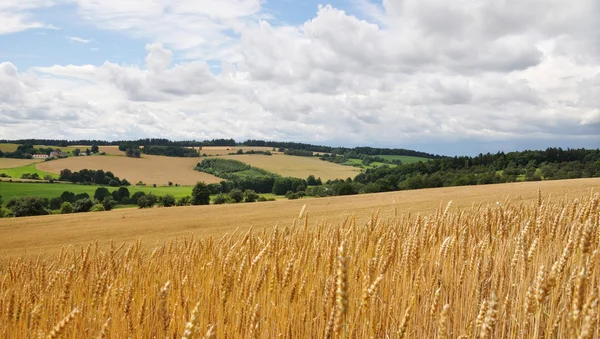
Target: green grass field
404, 158
10, 190
8, 147
17, 172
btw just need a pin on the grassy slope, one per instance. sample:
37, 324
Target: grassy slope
17, 172
47, 234
45, 190
405, 159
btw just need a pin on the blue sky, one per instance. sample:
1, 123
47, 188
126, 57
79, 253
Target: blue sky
451, 78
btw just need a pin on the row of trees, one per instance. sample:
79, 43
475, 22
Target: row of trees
88, 176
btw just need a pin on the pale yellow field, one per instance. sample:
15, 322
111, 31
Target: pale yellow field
225, 150
111, 150
525, 267
299, 167
12, 163
149, 169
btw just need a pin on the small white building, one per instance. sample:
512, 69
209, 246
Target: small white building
39, 156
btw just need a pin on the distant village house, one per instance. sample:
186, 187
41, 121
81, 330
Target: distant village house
39, 156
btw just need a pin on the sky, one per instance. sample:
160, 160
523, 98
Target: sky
446, 77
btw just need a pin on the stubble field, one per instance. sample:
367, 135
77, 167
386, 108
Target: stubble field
295, 166
500, 261
149, 169
12, 163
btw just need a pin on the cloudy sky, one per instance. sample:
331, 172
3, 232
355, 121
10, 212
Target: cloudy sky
448, 77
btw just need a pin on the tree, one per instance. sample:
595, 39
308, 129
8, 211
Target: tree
136, 197
101, 193
27, 206
76, 152
67, 196
113, 183
200, 194
250, 196
83, 205
55, 203
65, 175
311, 181
66, 208
99, 177
87, 151
95, 148
123, 193
124, 182
167, 200
236, 195
1, 200
82, 196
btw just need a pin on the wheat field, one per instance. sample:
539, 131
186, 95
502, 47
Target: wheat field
505, 270
150, 169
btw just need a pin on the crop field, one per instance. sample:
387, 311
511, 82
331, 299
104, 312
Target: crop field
498, 261
17, 172
8, 147
13, 147
149, 169
295, 166
111, 150
225, 150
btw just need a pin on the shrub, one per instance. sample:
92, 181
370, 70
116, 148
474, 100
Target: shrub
66, 208
167, 200
113, 183
222, 198
27, 206
48, 177
250, 196
81, 196
184, 201
140, 183
108, 203
68, 196
83, 205
136, 196
261, 198
237, 195
97, 208
147, 201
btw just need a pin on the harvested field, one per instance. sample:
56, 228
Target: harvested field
225, 150
295, 166
526, 267
12, 163
47, 234
111, 150
149, 169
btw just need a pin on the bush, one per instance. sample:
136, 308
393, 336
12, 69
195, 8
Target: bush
136, 196
83, 205
113, 183
222, 199
6, 213
48, 177
97, 208
236, 195
250, 196
147, 201
184, 201
81, 196
167, 200
66, 208
27, 206
109, 203
140, 183
261, 199
68, 196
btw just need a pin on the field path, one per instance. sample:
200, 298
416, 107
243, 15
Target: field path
45, 235
150, 169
